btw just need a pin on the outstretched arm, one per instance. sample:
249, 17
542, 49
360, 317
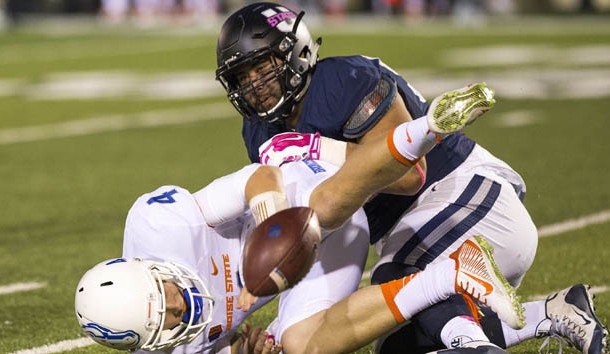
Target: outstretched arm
381, 160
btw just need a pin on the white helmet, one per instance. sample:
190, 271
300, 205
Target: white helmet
121, 304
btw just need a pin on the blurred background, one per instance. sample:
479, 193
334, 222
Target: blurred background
103, 101
150, 12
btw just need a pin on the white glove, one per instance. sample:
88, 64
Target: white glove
288, 147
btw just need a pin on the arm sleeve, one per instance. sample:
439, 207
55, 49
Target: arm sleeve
225, 198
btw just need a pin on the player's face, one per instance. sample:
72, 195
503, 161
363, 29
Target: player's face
175, 305
260, 84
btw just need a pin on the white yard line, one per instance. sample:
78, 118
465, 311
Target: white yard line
574, 224
77, 50
58, 347
116, 123
593, 290
18, 287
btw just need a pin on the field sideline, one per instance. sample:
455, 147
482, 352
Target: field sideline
92, 117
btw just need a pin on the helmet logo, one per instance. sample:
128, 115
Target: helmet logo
124, 339
275, 19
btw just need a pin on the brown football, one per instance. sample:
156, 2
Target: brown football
281, 250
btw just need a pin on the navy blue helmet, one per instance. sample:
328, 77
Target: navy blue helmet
265, 33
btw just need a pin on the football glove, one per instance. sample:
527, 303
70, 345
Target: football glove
288, 147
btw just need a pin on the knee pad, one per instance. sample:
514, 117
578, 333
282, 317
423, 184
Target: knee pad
433, 319
423, 333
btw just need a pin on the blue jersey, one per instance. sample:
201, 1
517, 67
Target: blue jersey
341, 89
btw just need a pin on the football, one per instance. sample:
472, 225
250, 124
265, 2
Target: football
280, 251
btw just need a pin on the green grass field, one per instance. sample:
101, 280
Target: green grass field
88, 123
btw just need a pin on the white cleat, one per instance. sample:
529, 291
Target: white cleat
479, 276
453, 110
572, 316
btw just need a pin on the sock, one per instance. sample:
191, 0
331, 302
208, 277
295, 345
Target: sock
460, 330
409, 295
536, 324
411, 140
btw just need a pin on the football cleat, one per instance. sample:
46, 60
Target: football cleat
572, 316
453, 110
479, 277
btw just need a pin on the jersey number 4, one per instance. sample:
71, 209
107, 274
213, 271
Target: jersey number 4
165, 198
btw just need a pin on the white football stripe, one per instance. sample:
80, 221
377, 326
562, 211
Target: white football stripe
594, 290
58, 347
574, 224
116, 123
18, 287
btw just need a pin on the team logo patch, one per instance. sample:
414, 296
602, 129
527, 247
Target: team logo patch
314, 166
118, 260
214, 333
278, 19
119, 340
214, 267
458, 341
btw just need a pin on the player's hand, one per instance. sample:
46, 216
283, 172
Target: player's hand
288, 147
257, 341
245, 300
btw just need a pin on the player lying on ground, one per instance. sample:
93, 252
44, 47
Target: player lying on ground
158, 304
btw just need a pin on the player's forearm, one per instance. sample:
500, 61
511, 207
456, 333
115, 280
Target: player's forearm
368, 170
411, 182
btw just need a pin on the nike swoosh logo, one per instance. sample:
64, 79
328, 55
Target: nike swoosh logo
296, 138
408, 136
488, 287
583, 317
214, 267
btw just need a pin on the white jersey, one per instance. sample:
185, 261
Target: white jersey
168, 225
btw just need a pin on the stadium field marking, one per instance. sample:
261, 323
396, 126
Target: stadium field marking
58, 347
19, 287
110, 123
594, 290
574, 224
75, 51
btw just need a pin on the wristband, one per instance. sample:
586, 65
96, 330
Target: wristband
266, 204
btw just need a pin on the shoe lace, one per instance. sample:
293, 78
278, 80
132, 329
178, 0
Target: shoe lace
547, 343
565, 327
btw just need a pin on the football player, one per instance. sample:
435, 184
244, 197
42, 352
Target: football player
268, 64
178, 286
